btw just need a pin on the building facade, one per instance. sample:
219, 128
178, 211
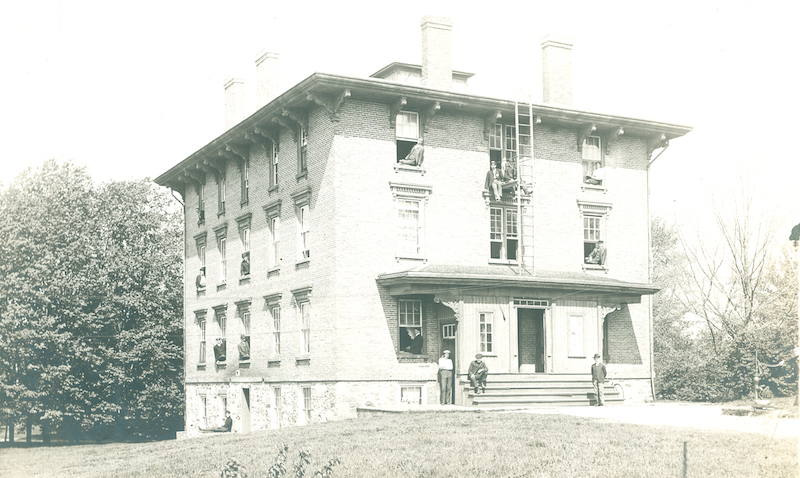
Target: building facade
348, 214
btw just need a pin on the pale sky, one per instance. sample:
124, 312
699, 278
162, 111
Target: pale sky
132, 88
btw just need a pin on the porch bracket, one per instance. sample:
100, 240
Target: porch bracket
452, 304
655, 142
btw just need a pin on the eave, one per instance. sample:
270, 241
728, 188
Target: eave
331, 90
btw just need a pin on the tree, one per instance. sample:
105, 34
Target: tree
90, 302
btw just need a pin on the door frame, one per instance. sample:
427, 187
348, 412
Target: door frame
537, 304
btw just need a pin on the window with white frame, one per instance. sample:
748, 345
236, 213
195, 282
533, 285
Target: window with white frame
503, 233
201, 325
411, 395
485, 323
201, 203
220, 194
273, 177
304, 228
594, 216
200, 242
409, 317
276, 329
502, 144
576, 336
204, 411
406, 132
307, 404
223, 405
449, 331
592, 155
245, 268
302, 152
410, 202
276, 393
245, 180
223, 259
275, 242
305, 327
244, 315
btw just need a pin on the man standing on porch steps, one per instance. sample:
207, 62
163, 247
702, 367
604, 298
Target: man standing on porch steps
599, 379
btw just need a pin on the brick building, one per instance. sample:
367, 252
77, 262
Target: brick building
313, 246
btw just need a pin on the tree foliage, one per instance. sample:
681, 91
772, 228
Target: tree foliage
727, 312
90, 303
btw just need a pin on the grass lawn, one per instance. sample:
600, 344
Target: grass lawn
433, 444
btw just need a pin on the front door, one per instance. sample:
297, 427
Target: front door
530, 333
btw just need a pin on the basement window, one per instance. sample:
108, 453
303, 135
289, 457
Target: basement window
411, 395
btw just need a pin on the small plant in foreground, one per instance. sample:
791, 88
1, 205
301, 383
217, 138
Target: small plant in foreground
234, 469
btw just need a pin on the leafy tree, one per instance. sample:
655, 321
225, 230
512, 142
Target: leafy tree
89, 307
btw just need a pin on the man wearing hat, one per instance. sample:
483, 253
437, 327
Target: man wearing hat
598, 379
477, 373
445, 378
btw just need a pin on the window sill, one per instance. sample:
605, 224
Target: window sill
407, 357
303, 264
503, 262
244, 204
408, 168
220, 214
221, 365
201, 291
595, 267
244, 279
201, 366
274, 272
593, 187
222, 286
244, 363
579, 357
410, 258
302, 175
201, 223
303, 360
273, 362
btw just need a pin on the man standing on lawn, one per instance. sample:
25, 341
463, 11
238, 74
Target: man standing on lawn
477, 373
599, 379
446, 378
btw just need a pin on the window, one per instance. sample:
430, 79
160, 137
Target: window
223, 260
485, 323
449, 331
409, 320
243, 307
406, 132
201, 204
409, 226
305, 327
201, 323
410, 203
276, 392
594, 215
221, 194
222, 320
304, 223
204, 411
274, 172
411, 395
276, 330
223, 405
307, 404
503, 233
302, 153
200, 280
576, 336
592, 154
245, 266
245, 182
275, 247
502, 143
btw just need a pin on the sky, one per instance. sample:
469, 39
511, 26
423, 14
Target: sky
132, 88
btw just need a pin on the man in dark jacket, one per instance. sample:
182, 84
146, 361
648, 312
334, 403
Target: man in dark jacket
477, 373
598, 379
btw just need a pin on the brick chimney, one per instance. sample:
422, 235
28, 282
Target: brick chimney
267, 77
234, 102
557, 71
437, 56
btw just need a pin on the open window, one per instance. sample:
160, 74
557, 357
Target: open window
220, 344
243, 309
410, 325
200, 317
406, 133
594, 217
593, 167
201, 203
200, 280
244, 234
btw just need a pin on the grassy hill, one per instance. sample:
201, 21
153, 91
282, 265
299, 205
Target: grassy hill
431, 444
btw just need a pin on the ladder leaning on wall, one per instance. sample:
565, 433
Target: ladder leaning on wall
525, 120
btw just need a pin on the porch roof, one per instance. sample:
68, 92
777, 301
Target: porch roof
444, 279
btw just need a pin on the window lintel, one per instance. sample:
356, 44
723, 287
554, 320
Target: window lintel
272, 299
200, 238
221, 230
405, 190
302, 197
273, 209
244, 220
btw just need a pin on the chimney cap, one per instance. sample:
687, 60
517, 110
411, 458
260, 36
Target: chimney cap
266, 54
438, 22
557, 41
229, 81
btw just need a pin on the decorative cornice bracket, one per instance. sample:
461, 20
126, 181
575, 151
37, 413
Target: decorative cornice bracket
428, 115
612, 136
583, 132
489, 122
331, 104
655, 142
395, 108
451, 303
